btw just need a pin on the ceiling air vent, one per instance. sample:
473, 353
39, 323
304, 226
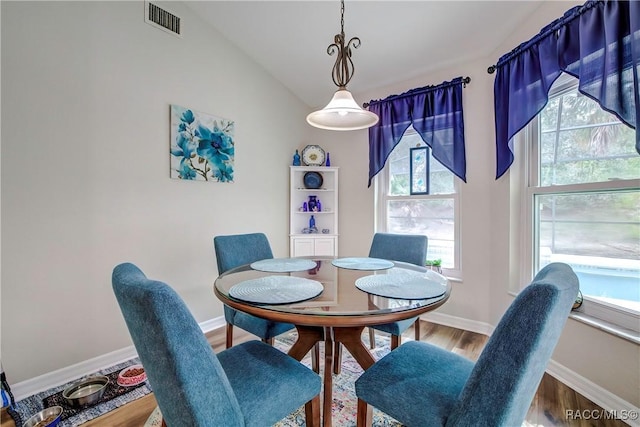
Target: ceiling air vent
161, 18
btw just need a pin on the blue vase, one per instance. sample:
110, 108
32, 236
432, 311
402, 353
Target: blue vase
296, 159
313, 204
328, 162
312, 222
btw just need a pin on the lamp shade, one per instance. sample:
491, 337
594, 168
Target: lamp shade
342, 113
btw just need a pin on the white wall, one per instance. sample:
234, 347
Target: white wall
86, 90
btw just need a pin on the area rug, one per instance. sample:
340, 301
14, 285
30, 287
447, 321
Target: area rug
113, 398
344, 405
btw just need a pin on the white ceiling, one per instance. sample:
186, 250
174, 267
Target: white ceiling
400, 39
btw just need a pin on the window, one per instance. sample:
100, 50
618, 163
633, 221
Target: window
433, 215
583, 199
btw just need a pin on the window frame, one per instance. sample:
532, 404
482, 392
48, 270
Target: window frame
382, 197
607, 316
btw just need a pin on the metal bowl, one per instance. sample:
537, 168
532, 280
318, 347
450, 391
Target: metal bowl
48, 417
86, 392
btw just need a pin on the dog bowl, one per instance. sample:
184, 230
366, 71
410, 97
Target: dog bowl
86, 392
131, 375
48, 417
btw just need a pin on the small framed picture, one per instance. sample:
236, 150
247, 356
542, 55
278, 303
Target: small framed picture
419, 170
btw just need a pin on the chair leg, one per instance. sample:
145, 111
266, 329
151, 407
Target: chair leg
337, 357
269, 341
372, 338
315, 358
363, 417
416, 327
229, 335
395, 341
312, 412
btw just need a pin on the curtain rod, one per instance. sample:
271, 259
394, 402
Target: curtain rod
464, 80
553, 27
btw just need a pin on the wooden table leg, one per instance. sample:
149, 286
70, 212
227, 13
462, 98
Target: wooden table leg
308, 336
351, 339
337, 357
328, 379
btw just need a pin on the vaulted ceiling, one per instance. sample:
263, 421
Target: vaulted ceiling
400, 39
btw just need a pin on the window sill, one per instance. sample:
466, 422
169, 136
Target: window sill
452, 275
611, 328
608, 327
453, 279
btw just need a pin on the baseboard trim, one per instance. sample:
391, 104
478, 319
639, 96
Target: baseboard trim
598, 395
213, 324
64, 375
459, 323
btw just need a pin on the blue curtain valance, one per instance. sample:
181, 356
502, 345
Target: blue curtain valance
435, 113
598, 43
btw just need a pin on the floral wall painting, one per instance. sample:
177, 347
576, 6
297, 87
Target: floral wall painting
202, 146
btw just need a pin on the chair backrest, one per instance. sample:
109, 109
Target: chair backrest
411, 248
506, 376
188, 382
239, 249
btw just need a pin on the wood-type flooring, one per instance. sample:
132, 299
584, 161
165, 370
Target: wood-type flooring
550, 407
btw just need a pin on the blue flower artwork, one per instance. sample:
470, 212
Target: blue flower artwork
202, 146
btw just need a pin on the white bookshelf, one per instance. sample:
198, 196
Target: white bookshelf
321, 243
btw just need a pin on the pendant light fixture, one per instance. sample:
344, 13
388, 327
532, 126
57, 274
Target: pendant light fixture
342, 112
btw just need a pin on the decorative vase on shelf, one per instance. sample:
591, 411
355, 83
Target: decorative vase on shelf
296, 159
319, 205
312, 222
313, 204
328, 161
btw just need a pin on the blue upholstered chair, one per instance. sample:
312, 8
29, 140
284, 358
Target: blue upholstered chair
251, 384
404, 248
408, 248
233, 251
423, 385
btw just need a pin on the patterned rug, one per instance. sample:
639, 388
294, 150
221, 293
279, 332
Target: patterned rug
344, 395
114, 397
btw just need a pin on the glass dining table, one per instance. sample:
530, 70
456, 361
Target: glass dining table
332, 300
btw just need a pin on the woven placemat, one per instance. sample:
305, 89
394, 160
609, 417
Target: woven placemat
365, 263
283, 265
112, 391
276, 290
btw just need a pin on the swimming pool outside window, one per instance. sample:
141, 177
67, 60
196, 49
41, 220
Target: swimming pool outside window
583, 195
